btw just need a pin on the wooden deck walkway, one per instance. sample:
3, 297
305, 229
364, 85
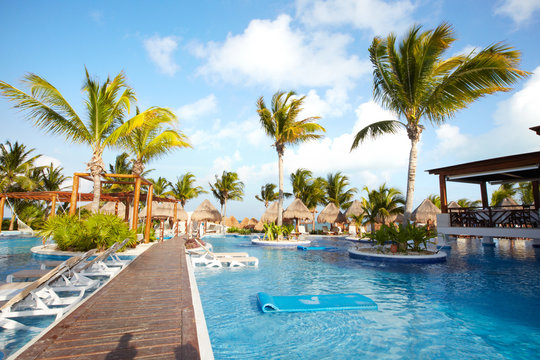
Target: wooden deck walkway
145, 312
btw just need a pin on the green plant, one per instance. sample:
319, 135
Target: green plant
98, 231
141, 228
402, 235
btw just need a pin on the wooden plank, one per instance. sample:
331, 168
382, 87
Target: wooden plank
145, 312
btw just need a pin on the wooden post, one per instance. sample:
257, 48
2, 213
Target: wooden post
444, 200
149, 198
126, 212
74, 193
136, 203
175, 217
536, 195
483, 192
2, 202
53, 207
116, 208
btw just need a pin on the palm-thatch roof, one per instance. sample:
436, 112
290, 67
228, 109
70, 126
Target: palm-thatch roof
355, 209
206, 212
331, 214
231, 221
508, 202
259, 226
453, 205
271, 213
253, 222
297, 210
110, 206
399, 219
160, 210
425, 211
181, 214
244, 223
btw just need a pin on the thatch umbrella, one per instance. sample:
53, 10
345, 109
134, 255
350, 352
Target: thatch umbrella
244, 223
110, 208
271, 213
160, 211
355, 209
331, 214
425, 211
453, 205
252, 223
231, 222
298, 211
508, 202
259, 226
206, 212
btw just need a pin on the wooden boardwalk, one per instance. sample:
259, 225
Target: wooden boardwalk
145, 312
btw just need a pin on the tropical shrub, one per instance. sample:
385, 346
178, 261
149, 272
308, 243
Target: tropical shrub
407, 237
142, 227
273, 231
98, 231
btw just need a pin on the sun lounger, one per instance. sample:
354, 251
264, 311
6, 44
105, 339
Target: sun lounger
8, 290
99, 266
218, 260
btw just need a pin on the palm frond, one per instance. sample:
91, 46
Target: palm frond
376, 129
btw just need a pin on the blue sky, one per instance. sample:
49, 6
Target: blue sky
209, 61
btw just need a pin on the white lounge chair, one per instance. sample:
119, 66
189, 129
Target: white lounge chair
101, 266
218, 260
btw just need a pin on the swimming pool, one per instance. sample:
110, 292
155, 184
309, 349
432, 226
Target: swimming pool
483, 303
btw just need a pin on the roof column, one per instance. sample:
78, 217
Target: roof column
444, 200
536, 196
149, 198
53, 207
2, 202
483, 191
136, 197
74, 192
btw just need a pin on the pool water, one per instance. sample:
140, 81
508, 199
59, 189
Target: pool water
483, 303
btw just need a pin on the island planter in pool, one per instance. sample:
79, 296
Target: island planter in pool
366, 254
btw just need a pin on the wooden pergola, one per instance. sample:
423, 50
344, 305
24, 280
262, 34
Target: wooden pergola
501, 170
74, 196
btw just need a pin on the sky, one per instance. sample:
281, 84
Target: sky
209, 62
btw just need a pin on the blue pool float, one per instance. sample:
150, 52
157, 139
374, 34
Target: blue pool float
324, 248
354, 301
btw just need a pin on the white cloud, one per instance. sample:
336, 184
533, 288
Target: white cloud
450, 139
519, 10
160, 51
377, 16
97, 16
199, 108
272, 53
232, 132
45, 160
334, 103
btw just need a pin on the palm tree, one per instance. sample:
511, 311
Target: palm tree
504, 191
435, 199
308, 189
161, 186
184, 189
16, 164
153, 141
337, 192
382, 203
525, 191
465, 203
414, 81
281, 125
107, 107
52, 178
268, 194
228, 187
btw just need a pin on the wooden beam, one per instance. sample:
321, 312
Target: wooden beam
2, 202
443, 197
136, 197
74, 192
148, 214
536, 195
483, 193
53, 207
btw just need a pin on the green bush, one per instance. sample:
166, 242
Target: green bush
98, 231
235, 230
401, 235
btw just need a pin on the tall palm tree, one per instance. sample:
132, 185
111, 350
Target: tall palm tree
382, 203
161, 186
16, 165
153, 140
184, 189
415, 82
309, 189
281, 125
268, 194
107, 107
337, 192
52, 178
227, 187
525, 191
122, 165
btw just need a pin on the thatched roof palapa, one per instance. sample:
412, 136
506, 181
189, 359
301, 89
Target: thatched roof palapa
355, 209
508, 202
271, 214
259, 226
181, 214
244, 223
231, 221
331, 214
297, 210
206, 212
453, 205
160, 210
425, 211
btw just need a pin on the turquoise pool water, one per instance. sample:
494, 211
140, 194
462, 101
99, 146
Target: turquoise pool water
483, 303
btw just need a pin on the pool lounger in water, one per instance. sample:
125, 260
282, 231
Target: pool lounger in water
269, 303
325, 248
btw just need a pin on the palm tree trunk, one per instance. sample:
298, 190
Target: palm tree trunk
414, 135
12, 222
224, 209
96, 167
280, 151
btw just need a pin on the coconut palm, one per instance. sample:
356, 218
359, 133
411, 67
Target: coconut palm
435, 199
268, 194
107, 107
161, 186
153, 141
16, 165
525, 191
415, 82
308, 189
337, 192
504, 191
184, 189
281, 125
382, 203
227, 187
52, 178
465, 203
